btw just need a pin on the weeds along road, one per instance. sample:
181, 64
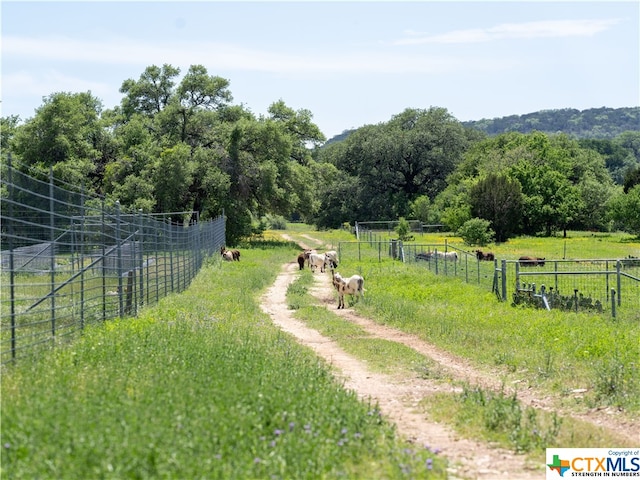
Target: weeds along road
398, 398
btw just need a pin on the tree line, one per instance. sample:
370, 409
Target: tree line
596, 123
175, 146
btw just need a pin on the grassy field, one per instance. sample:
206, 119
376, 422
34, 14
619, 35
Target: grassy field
564, 350
556, 352
204, 386
201, 386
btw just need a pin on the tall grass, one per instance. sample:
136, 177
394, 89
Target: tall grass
556, 350
200, 386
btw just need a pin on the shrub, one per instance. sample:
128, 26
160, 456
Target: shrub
476, 232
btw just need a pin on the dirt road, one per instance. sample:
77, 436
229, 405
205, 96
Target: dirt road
398, 398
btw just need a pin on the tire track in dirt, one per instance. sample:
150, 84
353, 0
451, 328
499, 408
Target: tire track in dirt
398, 398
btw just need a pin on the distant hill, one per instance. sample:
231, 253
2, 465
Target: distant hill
599, 123
596, 123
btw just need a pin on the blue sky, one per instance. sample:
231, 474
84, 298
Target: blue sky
349, 63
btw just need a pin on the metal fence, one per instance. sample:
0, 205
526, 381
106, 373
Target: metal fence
599, 285
69, 260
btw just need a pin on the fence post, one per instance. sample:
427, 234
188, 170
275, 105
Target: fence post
52, 227
619, 281
81, 257
141, 256
613, 302
119, 261
504, 279
12, 284
104, 267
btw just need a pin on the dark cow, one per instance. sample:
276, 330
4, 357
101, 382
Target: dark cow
489, 256
527, 261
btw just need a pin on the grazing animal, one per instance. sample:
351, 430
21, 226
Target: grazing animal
316, 260
230, 255
331, 259
489, 256
354, 285
424, 256
306, 256
451, 256
527, 261
301, 260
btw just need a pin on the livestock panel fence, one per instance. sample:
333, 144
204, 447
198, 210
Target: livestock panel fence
68, 260
597, 285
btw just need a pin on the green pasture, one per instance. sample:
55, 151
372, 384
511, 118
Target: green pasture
558, 353
202, 385
557, 350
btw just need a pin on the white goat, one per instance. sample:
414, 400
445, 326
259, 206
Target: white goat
354, 285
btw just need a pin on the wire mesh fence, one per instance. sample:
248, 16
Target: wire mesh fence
595, 285
69, 260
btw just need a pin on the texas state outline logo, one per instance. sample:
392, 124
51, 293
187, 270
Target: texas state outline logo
592, 462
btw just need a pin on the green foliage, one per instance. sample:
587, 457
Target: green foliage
590, 123
403, 229
498, 199
396, 162
423, 210
275, 222
625, 210
476, 231
203, 386
504, 417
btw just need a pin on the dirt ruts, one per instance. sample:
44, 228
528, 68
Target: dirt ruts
398, 398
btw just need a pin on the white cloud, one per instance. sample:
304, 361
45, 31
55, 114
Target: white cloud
526, 30
230, 57
28, 84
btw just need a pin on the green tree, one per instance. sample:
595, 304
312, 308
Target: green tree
498, 199
398, 161
66, 134
300, 127
403, 229
8, 128
624, 209
151, 93
424, 210
632, 178
172, 177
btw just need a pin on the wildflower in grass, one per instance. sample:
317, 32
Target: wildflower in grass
357, 435
291, 426
307, 428
272, 444
278, 432
343, 431
257, 460
429, 463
